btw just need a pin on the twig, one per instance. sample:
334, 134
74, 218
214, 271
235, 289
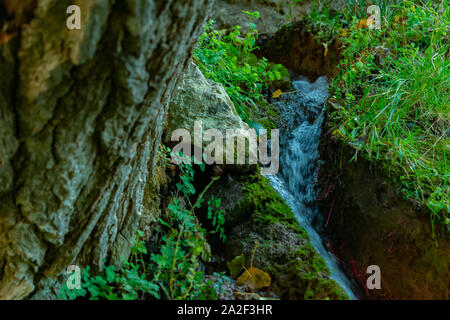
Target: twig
331, 210
254, 251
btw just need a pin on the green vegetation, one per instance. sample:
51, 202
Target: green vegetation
228, 60
173, 272
390, 98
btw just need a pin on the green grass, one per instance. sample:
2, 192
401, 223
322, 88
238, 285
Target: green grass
397, 112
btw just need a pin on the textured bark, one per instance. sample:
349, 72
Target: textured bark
81, 115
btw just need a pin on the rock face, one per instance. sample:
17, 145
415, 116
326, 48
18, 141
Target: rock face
274, 13
81, 116
369, 223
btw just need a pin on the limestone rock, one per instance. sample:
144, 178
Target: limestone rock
205, 102
199, 99
255, 214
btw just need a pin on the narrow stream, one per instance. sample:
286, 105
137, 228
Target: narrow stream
302, 116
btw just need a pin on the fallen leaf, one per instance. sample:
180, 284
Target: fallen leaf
277, 94
254, 278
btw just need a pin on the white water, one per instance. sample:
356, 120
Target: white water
303, 113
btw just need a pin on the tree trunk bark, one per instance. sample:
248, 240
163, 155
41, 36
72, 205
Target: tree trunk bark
81, 115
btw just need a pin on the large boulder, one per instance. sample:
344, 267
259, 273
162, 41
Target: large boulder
199, 99
205, 102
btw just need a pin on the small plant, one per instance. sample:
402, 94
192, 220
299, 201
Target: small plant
171, 273
228, 59
130, 282
217, 217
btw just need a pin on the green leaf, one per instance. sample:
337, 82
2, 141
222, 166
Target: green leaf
236, 265
277, 75
110, 273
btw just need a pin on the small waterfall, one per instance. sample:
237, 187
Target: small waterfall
302, 113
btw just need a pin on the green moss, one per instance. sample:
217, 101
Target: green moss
309, 272
265, 205
266, 114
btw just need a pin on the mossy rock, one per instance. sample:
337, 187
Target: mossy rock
283, 249
264, 205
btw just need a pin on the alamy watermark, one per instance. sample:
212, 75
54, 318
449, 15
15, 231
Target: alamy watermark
73, 22
374, 281
230, 148
74, 280
374, 21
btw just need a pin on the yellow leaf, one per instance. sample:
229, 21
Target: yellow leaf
337, 132
254, 278
362, 23
277, 93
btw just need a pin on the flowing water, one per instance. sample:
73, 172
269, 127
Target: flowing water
302, 115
